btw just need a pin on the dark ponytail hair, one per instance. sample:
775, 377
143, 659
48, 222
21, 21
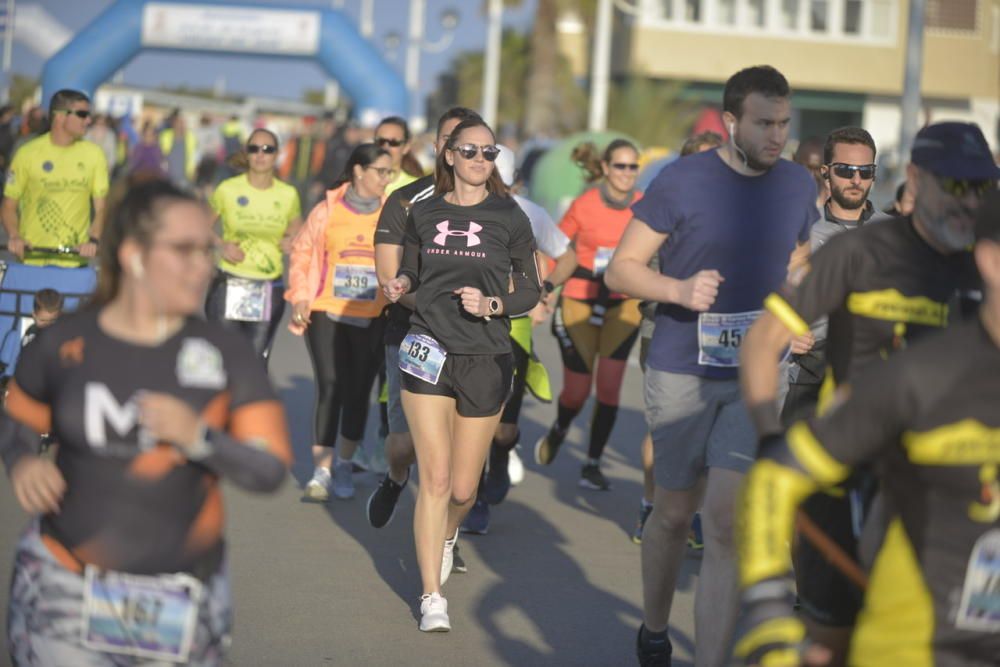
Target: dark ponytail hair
363, 155
586, 157
240, 160
444, 173
137, 216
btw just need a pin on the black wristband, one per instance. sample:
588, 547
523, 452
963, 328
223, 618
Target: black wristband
548, 286
94, 240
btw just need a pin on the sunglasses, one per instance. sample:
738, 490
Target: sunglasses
865, 172
468, 151
266, 149
383, 142
79, 113
958, 188
625, 166
384, 172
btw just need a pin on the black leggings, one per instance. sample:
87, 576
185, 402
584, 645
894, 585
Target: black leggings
345, 361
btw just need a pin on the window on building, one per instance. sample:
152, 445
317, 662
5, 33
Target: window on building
819, 11
756, 12
881, 18
667, 9
692, 11
790, 14
952, 14
852, 17
725, 12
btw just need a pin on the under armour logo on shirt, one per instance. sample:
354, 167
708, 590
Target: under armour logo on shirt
471, 237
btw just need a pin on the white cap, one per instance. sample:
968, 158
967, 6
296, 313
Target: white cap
505, 165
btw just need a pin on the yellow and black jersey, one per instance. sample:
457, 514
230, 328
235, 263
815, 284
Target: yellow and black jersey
930, 422
882, 286
133, 504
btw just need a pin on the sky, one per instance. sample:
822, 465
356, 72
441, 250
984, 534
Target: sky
283, 78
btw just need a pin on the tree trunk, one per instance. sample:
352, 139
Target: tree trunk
542, 113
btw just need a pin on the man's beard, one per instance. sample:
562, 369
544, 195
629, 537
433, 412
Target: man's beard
839, 196
753, 159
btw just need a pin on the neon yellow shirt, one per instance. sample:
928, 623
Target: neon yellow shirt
54, 186
256, 220
402, 179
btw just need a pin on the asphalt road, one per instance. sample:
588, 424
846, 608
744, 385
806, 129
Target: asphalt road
555, 582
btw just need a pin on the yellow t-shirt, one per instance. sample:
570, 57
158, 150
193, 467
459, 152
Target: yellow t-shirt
54, 186
256, 219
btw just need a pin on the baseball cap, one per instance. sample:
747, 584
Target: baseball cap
988, 217
954, 150
505, 165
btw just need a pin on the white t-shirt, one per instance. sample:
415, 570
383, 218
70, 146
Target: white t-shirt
549, 238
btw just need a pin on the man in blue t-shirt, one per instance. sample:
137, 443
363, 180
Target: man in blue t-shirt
729, 225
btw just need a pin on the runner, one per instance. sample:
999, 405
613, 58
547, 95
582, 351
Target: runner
927, 421
393, 135
528, 372
260, 216
725, 224
125, 562
699, 143
337, 305
593, 324
882, 287
389, 239
53, 182
463, 248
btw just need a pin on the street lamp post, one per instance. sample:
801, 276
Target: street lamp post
416, 44
600, 68
491, 69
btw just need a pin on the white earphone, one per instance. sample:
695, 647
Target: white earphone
732, 126
137, 268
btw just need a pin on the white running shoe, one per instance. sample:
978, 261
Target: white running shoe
515, 467
448, 558
343, 483
434, 613
318, 488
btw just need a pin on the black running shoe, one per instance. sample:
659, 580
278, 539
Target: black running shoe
591, 477
457, 562
382, 502
653, 653
548, 446
477, 521
497, 483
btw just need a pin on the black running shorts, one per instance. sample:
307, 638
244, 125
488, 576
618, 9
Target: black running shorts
479, 383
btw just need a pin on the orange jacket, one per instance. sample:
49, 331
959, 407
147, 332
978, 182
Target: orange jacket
308, 262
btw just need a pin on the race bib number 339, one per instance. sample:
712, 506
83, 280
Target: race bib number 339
355, 282
720, 336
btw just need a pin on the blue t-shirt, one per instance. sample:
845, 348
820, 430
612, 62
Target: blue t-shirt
745, 227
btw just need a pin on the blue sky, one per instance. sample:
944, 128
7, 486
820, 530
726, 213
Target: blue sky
284, 78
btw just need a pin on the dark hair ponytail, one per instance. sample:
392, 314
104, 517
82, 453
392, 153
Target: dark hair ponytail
363, 155
586, 157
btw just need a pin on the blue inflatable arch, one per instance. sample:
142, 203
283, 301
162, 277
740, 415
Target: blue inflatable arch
127, 27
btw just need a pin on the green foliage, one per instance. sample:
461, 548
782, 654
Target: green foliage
651, 110
22, 88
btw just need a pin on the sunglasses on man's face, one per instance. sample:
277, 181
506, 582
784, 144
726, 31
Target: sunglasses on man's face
266, 149
865, 172
468, 151
79, 113
383, 142
625, 166
957, 187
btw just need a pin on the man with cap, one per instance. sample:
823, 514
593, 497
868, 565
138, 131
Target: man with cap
881, 287
528, 373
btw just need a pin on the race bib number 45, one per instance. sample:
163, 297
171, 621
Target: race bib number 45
720, 336
355, 282
143, 616
422, 356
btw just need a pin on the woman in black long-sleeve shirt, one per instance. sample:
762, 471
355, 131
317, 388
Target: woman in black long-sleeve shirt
469, 255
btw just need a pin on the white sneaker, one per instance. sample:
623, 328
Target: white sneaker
515, 467
448, 558
343, 482
318, 488
434, 613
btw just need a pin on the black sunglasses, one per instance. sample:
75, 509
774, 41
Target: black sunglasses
865, 171
79, 113
383, 142
623, 166
468, 151
958, 187
266, 149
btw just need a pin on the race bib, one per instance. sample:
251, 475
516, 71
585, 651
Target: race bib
355, 282
720, 336
143, 616
248, 300
980, 607
601, 260
421, 356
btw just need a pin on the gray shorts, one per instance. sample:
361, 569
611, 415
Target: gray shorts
696, 424
397, 419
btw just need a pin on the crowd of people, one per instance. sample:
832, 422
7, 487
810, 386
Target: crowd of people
821, 378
